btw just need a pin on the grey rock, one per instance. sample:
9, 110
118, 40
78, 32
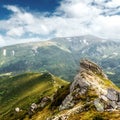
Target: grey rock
99, 106
78, 82
113, 104
43, 102
112, 95
104, 98
33, 106
118, 96
67, 103
118, 105
32, 109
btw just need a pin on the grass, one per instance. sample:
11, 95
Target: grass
94, 115
108, 83
22, 90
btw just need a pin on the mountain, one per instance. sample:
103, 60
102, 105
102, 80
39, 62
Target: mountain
19, 92
91, 96
61, 56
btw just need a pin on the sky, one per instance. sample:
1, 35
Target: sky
37, 20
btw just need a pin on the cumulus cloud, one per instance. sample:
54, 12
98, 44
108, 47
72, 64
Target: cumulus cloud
71, 18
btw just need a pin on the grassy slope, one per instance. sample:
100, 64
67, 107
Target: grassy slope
22, 90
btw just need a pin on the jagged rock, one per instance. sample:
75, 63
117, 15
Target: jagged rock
81, 84
44, 101
67, 103
113, 104
33, 106
32, 109
78, 88
118, 105
88, 65
78, 82
99, 106
104, 98
112, 95
91, 77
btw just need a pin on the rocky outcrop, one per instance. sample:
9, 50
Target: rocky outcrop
78, 90
91, 77
112, 95
91, 66
39, 105
108, 102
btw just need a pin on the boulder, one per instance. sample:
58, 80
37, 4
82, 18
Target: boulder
67, 103
99, 106
104, 98
33, 107
44, 101
112, 95
113, 104
118, 105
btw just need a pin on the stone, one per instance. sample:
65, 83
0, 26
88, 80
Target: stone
67, 103
104, 98
17, 109
33, 107
44, 102
99, 106
78, 82
118, 105
112, 95
118, 96
113, 104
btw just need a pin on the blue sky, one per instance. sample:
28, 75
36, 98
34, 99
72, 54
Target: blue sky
36, 20
32, 5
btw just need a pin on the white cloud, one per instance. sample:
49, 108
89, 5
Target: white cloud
71, 18
12, 8
19, 31
113, 3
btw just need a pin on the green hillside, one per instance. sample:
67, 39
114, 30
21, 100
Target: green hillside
23, 90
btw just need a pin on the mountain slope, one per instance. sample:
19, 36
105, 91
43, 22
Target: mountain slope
23, 90
91, 96
61, 56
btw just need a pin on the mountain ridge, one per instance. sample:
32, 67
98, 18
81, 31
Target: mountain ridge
48, 56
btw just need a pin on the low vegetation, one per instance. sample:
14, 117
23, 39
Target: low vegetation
23, 90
